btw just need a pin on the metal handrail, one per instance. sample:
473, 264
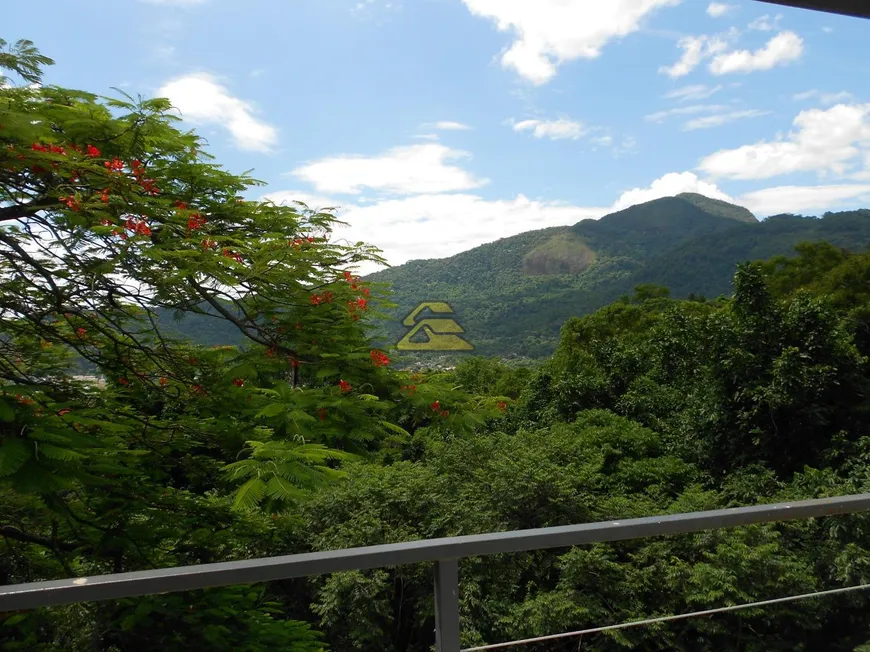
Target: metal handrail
445, 552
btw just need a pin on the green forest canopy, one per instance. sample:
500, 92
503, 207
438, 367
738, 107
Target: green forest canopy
304, 437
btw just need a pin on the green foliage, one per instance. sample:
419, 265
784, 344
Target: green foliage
114, 227
281, 428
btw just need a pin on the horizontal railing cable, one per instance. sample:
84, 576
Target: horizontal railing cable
665, 619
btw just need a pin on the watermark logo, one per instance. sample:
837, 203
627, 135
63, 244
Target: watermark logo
440, 333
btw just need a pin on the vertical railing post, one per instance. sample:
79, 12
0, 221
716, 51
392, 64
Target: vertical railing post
447, 605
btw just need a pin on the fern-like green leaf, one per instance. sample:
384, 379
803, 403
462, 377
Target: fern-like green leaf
14, 453
250, 494
394, 428
281, 489
53, 452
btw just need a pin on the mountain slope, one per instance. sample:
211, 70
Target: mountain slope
719, 207
513, 295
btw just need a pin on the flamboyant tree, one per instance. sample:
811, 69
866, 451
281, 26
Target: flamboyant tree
112, 222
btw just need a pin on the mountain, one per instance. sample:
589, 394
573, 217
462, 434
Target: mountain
512, 296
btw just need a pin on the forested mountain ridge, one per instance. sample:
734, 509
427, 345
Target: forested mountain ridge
513, 295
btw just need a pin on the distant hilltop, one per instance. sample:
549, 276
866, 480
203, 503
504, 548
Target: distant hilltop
512, 296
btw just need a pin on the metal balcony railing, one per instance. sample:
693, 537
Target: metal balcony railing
445, 552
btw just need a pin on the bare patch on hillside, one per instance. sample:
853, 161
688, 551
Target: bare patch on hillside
564, 253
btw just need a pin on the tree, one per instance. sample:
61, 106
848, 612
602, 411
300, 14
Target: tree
110, 219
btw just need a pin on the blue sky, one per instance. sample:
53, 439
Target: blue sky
438, 125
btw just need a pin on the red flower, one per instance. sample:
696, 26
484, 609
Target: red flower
436, 406
38, 169
123, 381
362, 303
231, 254
81, 332
501, 405
60, 413
445, 413
105, 196
367, 292
114, 165
195, 221
348, 277
36, 147
270, 353
57, 149
93, 152
164, 381
208, 244
180, 205
139, 227
345, 386
70, 202
379, 358
238, 382
197, 389
149, 186
322, 413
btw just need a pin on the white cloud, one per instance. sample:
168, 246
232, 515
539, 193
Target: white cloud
824, 98
439, 225
718, 9
720, 119
201, 99
696, 49
661, 116
426, 136
669, 185
764, 23
693, 53
449, 125
561, 129
626, 146
782, 48
414, 169
825, 141
803, 199
549, 33
694, 92
314, 202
